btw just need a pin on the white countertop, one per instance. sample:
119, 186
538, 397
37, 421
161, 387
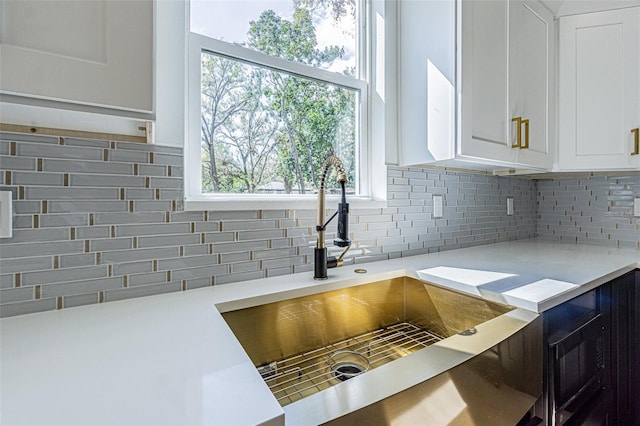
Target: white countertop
171, 359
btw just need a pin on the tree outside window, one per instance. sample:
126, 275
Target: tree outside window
270, 131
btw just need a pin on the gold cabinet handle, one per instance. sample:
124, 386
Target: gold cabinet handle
636, 141
526, 134
518, 121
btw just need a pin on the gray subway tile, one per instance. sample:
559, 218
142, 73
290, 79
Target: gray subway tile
171, 194
245, 276
22, 222
111, 245
87, 232
40, 249
147, 278
152, 206
234, 215
80, 300
76, 260
199, 283
128, 218
137, 146
139, 194
219, 237
87, 206
199, 272
80, 287
30, 307
75, 166
62, 275
177, 171
276, 272
168, 159
94, 143
140, 254
106, 181
58, 151
25, 264
196, 249
26, 207
260, 235
168, 240
9, 136
248, 225
234, 257
63, 220
37, 178
152, 170
17, 163
155, 229
165, 182
187, 262
147, 290
245, 267
239, 246
40, 235
128, 156
6, 280
20, 294
133, 267
69, 193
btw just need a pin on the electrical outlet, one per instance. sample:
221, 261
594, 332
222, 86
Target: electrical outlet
437, 206
509, 206
636, 206
6, 214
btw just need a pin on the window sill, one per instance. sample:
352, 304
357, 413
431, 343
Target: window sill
229, 203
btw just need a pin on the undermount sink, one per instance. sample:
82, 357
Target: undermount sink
324, 355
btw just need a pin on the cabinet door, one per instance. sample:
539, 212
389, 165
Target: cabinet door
97, 52
484, 77
531, 34
599, 90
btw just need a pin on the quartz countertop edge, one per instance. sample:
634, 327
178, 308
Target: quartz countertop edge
171, 358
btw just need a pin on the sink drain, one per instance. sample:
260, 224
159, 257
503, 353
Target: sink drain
347, 370
347, 364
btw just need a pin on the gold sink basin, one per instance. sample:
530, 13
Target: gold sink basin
337, 341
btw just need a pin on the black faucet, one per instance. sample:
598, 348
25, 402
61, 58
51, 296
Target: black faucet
321, 261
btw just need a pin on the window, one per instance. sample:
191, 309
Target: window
274, 87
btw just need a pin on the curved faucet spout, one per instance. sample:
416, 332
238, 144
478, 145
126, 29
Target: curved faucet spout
320, 254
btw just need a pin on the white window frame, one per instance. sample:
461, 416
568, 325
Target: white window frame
371, 177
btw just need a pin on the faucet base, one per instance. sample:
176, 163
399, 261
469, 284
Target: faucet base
320, 263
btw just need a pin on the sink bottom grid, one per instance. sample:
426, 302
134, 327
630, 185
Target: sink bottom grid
302, 375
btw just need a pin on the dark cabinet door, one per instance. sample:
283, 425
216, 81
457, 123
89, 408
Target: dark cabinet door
625, 297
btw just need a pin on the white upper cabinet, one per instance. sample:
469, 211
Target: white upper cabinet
459, 110
97, 53
599, 91
532, 82
426, 81
507, 83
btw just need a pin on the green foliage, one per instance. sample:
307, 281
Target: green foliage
261, 125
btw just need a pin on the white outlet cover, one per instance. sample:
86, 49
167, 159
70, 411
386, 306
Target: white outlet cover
437, 206
509, 206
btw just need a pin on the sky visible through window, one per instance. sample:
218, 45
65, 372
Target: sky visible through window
228, 20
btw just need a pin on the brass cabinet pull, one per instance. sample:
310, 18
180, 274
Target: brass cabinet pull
636, 141
518, 121
526, 134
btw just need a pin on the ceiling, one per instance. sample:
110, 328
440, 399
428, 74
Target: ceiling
571, 7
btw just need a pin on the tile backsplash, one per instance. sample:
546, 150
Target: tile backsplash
98, 221
596, 210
